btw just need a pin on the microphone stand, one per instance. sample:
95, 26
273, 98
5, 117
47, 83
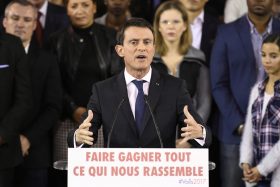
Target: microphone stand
154, 120
114, 122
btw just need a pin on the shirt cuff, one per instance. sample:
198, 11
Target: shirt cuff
201, 141
74, 141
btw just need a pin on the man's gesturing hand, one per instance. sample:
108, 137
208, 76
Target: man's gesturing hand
83, 135
193, 129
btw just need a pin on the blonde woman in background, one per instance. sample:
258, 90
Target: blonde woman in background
176, 56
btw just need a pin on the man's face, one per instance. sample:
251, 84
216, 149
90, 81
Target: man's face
138, 49
194, 5
260, 7
20, 21
276, 7
117, 7
81, 12
37, 3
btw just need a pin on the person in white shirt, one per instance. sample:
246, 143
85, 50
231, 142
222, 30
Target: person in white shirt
121, 96
234, 9
203, 26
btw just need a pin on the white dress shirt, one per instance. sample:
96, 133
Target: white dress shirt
43, 11
132, 90
26, 49
234, 9
196, 27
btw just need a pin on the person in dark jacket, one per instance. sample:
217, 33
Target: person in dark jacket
177, 57
15, 104
35, 134
85, 52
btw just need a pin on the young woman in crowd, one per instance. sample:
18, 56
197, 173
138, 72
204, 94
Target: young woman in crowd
260, 145
176, 56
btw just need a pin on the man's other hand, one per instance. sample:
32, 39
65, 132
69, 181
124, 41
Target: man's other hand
83, 134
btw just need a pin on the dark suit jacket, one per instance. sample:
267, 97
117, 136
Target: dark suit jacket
167, 94
15, 98
56, 20
233, 73
47, 99
209, 30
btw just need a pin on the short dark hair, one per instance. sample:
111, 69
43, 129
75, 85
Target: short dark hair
133, 22
24, 3
273, 38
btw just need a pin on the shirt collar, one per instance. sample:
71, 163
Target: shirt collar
27, 48
199, 18
43, 9
254, 30
129, 78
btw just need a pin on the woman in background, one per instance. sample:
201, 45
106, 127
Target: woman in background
86, 55
176, 56
260, 145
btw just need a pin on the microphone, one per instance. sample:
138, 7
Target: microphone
114, 122
212, 165
154, 120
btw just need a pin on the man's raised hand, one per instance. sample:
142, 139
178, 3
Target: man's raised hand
83, 134
193, 129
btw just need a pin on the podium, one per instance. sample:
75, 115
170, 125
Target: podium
63, 165
89, 167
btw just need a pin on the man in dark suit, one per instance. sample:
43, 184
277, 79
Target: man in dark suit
235, 67
15, 104
122, 96
204, 26
51, 18
35, 135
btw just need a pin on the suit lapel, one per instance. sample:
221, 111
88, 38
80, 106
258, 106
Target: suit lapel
48, 22
32, 52
275, 25
205, 33
155, 88
243, 28
121, 92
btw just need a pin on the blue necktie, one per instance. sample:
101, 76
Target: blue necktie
140, 104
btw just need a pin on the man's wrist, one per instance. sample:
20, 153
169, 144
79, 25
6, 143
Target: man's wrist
203, 133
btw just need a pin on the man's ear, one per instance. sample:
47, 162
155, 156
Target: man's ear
119, 50
4, 22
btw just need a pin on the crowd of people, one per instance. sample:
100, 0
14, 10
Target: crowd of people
210, 79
